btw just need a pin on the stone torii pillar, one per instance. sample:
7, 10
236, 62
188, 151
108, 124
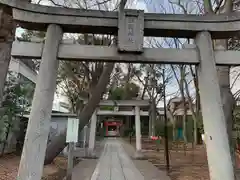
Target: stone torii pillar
92, 136
138, 153
218, 150
34, 149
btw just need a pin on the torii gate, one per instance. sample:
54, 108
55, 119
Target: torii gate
130, 26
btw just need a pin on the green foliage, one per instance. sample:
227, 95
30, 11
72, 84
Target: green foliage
28, 34
132, 132
200, 124
126, 92
131, 90
110, 108
160, 129
236, 121
128, 132
151, 77
116, 93
17, 98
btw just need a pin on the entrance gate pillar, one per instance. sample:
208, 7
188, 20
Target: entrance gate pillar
92, 135
138, 153
218, 150
34, 149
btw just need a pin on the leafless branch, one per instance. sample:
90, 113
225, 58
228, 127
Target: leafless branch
179, 4
208, 7
122, 5
236, 78
56, 4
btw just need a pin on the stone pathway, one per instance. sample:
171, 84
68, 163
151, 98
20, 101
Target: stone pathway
147, 169
115, 163
85, 168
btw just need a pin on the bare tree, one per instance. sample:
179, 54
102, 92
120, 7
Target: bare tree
98, 75
211, 7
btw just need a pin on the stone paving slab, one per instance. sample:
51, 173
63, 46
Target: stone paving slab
147, 169
85, 168
115, 164
82, 152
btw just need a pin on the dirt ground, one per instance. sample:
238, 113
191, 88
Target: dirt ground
9, 166
183, 166
188, 164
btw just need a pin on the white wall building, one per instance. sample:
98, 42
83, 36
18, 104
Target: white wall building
18, 67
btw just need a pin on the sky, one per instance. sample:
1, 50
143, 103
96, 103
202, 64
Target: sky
154, 6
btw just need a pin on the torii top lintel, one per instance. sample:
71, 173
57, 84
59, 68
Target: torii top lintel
37, 17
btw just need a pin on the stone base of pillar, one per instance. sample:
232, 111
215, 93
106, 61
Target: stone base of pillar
139, 155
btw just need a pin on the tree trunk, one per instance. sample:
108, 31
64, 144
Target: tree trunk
150, 122
194, 117
59, 142
184, 117
21, 135
198, 106
172, 119
6, 140
7, 33
174, 128
152, 117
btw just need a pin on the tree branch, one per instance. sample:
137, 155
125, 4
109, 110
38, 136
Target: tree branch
208, 7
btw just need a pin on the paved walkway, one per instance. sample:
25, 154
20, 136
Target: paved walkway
85, 168
115, 164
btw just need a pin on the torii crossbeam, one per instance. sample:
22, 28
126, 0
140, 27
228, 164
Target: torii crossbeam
37, 17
